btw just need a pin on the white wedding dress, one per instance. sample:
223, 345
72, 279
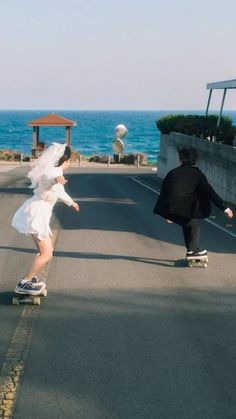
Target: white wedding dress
33, 217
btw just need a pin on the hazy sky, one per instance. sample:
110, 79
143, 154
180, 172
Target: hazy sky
123, 54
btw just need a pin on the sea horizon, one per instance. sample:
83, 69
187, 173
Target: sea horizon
94, 130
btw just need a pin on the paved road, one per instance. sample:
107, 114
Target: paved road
127, 331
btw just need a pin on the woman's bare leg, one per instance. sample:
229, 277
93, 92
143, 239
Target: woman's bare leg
36, 243
44, 255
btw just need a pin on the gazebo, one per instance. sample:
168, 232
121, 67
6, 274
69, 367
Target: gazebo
50, 120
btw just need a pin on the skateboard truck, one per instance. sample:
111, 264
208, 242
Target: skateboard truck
28, 299
197, 263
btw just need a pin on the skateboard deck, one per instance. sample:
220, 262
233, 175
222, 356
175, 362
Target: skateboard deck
28, 299
197, 263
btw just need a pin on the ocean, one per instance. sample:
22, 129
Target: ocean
94, 132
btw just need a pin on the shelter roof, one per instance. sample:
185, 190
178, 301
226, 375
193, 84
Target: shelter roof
52, 120
227, 84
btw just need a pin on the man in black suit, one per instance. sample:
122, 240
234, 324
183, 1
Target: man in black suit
185, 197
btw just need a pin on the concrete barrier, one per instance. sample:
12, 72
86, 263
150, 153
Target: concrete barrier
217, 161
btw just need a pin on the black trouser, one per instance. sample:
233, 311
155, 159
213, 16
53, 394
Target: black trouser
191, 231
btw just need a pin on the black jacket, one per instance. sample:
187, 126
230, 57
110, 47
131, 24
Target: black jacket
186, 193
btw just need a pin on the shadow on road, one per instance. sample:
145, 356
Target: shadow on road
17, 191
108, 209
6, 297
170, 263
115, 203
133, 354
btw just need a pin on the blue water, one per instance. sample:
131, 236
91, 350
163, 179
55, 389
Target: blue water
94, 132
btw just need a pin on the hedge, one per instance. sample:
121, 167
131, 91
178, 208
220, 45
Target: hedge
199, 126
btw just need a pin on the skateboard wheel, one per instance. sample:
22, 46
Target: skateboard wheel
37, 301
15, 301
45, 292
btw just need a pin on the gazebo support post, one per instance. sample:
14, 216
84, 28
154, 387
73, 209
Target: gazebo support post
68, 136
35, 140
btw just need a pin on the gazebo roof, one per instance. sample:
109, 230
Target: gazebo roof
52, 120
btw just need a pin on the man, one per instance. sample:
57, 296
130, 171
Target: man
185, 197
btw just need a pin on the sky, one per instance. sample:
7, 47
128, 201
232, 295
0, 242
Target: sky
113, 55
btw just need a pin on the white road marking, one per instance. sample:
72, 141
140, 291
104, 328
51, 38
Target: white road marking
221, 228
146, 186
206, 219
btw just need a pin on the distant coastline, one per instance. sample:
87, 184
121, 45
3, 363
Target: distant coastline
94, 132
8, 156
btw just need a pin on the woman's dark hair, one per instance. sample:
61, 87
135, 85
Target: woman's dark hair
188, 155
65, 157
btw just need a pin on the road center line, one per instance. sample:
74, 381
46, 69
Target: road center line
14, 363
206, 219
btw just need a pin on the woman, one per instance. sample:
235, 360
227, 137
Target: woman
33, 217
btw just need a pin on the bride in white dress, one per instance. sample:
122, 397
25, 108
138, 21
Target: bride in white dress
33, 217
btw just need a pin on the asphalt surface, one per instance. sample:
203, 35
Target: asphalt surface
127, 330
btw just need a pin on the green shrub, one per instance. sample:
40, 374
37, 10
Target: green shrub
99, 159
8, 157
75, 155
199, 126
17, 156
132, 159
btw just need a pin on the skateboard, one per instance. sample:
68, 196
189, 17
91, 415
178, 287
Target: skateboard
197, 263
28, 299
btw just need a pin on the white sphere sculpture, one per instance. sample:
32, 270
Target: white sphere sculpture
120, 131
117, 144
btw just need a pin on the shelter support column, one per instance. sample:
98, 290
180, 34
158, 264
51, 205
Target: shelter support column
221, 108
208, 103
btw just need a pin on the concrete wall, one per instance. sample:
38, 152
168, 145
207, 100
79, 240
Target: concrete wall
217, 162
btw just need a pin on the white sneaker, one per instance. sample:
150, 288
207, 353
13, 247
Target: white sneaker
29, 287
196, 255
35, 280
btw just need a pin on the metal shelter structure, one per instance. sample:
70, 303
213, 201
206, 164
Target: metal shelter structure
224, 85
50, 120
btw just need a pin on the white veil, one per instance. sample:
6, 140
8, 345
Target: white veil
48, 159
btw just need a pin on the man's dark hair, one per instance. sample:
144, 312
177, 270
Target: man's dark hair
65, 157
188, 155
